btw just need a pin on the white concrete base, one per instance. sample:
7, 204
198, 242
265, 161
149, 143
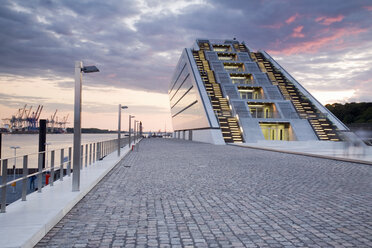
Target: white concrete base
346, 151
212, 136
25, 223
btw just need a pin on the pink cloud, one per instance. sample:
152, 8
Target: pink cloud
273, 26
317, 43
112, 75
369, 8
292, 18
329, 20
297, 32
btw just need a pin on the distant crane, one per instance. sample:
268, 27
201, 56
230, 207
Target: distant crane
32, 119
52, 121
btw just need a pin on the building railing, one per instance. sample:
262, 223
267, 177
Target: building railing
89, 154
231, 70
242, 81
264, 114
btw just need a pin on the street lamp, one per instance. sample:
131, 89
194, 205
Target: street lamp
138, 129
130, 121
15, 163
134, 130
119, 126
79, 69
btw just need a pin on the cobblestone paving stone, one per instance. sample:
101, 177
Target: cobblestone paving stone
175, 193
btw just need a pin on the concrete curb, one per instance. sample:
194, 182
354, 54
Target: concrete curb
26, 222
306, 154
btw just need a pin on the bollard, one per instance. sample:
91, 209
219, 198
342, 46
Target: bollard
42, 139
24, 181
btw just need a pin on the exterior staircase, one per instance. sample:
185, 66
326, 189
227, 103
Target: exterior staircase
322, 126
228, 123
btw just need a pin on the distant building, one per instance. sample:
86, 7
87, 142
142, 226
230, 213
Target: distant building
223, 92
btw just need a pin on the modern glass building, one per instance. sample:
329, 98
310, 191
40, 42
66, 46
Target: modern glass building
223, 92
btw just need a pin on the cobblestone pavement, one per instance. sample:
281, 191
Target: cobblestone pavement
187, 194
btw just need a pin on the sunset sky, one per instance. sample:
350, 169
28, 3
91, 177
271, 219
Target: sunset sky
326, 45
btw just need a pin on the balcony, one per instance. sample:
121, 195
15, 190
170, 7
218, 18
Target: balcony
227, 56
263, 110
222, 48
251, 92
234, 67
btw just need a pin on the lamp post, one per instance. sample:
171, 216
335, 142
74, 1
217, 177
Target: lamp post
119, 126
134, 131
79, 69
130, 121
136, 128
15, 164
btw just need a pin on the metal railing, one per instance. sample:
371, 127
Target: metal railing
47, 171
243, 81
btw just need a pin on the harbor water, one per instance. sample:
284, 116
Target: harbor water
29, 143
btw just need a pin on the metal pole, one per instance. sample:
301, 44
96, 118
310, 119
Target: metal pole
24, 181
81, 156
94, 153
138, 130
61, 165
77, 127
40, 170
90, 153
42, 139
86, 155
4, 177
134, 131
15, 165
51, 168
69, 161
129, 131
119, 126
1, 145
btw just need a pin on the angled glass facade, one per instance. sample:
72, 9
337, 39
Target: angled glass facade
247, 95
187, 107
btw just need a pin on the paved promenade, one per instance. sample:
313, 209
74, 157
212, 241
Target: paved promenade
175, 193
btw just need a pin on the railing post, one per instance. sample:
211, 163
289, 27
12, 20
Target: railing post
51, 168
69, 161
94, 152
81, 156
40, 172
4, 177
97, 155
90, 153
86, 155
24, 181
61, 164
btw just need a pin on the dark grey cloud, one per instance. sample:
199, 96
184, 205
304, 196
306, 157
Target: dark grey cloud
138, 50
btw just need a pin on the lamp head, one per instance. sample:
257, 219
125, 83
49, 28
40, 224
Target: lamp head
89, 69
124, 107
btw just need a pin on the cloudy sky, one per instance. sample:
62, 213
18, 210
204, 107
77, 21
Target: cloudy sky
325, 44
